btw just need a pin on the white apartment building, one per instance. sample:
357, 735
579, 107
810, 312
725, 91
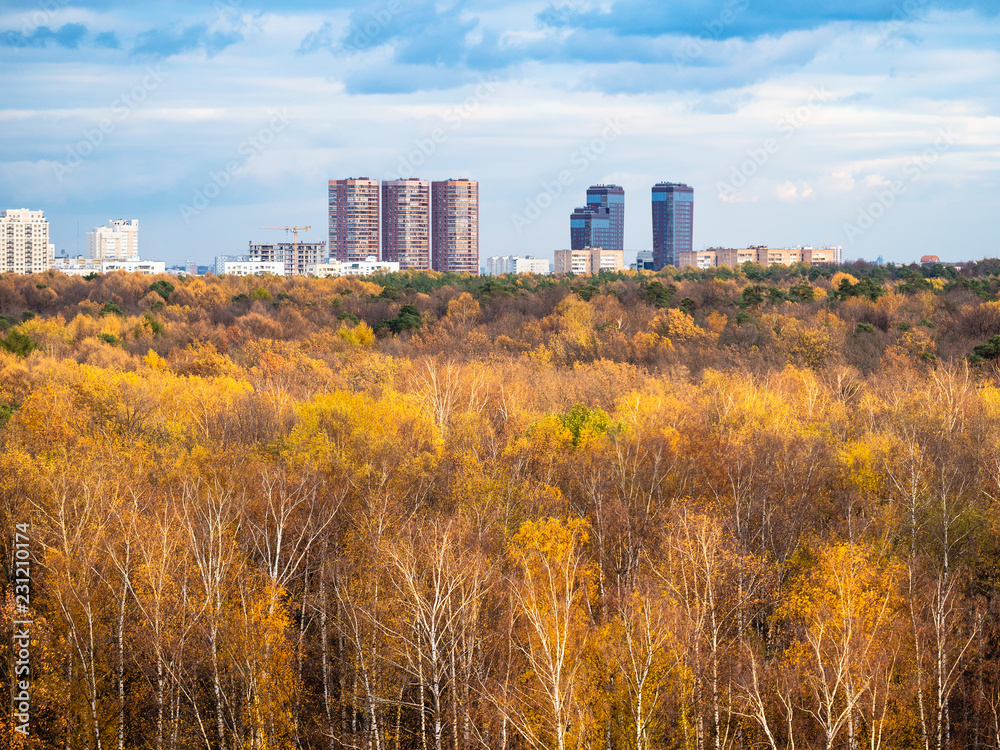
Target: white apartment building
81, 266
253, 267
24, 242
501, 264
337, 268
324, 270
117, 241
369, 266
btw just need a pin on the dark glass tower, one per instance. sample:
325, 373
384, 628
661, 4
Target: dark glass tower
601, 223
673, 217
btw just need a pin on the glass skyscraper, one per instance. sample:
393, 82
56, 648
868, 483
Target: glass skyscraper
673, 217
601, 223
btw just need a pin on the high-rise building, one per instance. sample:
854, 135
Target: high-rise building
455, 226
24, 242
673, 218
353, 219
117, 241
601, 223
406, 236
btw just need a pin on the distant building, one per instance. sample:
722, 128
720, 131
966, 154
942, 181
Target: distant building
588, 260
324, 270
929, 260
366, 267
455, 226
117, 241
765, 256
253, 267
221, 260
644, 261
406, 220
24, 242
296, 257
135, 265
354, 219
191, 267
601, 223
499, 265
673, 221
80, 266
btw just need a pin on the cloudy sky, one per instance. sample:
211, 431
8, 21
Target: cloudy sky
872, 124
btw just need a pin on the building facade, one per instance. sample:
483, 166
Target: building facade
117, 241
81, 266
296, 256
588, 260
253, 267
761, 254
499, 265
644, 261
601, 223
406, 219
361, 268
354, 219
673, 221
24, 242
455, 226
221, 260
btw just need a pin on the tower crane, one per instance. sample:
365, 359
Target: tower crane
294, 262
294, 230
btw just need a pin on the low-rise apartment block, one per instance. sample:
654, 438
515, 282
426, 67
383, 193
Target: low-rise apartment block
253, 267
765, 256
502, 264
358, 268
588, 260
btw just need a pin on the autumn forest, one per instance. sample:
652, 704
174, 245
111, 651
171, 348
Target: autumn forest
702, 510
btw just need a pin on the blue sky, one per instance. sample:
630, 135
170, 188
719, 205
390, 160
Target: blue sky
871, 124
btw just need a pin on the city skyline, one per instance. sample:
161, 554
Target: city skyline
852, 124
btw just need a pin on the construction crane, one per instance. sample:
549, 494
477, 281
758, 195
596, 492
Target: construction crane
293, 264
294, 230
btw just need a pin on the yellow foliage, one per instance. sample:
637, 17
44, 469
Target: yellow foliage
840, 276
154, 361
360, 335
51, 335
576, 314
464, 309
676, 325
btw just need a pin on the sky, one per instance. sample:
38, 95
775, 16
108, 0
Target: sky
871, 124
